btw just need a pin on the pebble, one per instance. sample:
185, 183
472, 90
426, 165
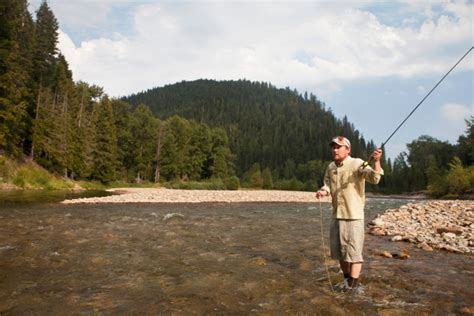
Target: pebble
440, 224
151, 195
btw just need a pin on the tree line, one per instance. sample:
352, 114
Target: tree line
188, 131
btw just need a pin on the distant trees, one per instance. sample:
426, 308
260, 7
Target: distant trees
437, 167
264, 124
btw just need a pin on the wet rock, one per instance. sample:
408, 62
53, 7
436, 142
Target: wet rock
425, 246
467, 310
7, 247
383, 253
377, 231
259, 261
396, 238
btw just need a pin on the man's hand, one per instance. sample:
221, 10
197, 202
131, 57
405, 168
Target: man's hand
377, 154
321, 193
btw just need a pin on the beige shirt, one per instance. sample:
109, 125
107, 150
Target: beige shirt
346, 184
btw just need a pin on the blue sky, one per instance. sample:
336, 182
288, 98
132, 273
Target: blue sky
370, 60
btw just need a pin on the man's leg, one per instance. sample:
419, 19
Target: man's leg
345, 267
355, 269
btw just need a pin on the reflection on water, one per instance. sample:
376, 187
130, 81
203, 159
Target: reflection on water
263, 258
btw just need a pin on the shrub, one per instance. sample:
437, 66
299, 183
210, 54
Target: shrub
289, 185
232, 183
213, 184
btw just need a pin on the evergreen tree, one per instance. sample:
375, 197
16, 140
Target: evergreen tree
123, 121
16, 28
43, 58
219, 163
143, 127
465, 145
197, 150
105, 151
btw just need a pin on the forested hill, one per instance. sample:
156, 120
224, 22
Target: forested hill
277, 128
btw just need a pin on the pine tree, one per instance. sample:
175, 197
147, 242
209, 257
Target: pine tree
220, 161
144, 128
122, 115
15, 44
44, 58
105, 151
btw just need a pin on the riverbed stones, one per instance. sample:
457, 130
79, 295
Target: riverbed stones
161, 195
443, 225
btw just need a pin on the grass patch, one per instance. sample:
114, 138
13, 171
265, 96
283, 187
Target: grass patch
29, 176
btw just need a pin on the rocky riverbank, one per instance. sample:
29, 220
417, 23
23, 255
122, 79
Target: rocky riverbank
149, 195
444, 225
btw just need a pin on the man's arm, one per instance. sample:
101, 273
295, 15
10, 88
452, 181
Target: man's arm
325, 189
374, 174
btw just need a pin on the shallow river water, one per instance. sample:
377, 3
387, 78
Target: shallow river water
200, 259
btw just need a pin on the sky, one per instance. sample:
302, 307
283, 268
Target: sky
372, 61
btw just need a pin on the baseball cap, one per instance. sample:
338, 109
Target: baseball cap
341, 141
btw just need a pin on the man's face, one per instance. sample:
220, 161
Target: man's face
339, 153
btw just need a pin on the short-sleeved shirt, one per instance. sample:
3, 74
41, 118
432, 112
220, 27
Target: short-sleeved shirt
346, 184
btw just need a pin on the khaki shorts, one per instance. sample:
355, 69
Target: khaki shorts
347, 239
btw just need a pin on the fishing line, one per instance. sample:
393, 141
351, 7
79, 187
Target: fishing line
366, 163
324, 248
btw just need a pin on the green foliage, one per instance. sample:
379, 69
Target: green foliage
30, 177
267, 181
212, 184
465, 148
458, 181
193, 151
143, 131
105, 151
232, 183
290, 185
425, 152
253, 177
16, 27
264, 124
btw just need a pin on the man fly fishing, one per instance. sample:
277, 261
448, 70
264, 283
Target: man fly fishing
344, 180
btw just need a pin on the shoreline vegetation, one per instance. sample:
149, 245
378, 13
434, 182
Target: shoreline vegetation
28, 175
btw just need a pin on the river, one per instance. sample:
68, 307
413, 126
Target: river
200, 259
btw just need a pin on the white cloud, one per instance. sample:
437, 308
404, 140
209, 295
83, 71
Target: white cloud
421, 90
77, 13
259, 41
455, 114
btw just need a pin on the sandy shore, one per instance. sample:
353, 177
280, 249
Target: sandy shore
145, 195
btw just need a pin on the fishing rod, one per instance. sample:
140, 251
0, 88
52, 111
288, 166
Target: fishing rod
366, 163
